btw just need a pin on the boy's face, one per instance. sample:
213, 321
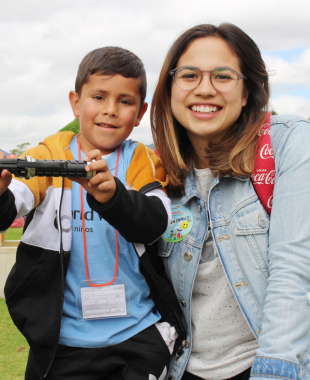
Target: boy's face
108, 108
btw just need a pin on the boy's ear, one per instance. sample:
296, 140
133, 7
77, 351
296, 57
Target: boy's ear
75, 103
141, 112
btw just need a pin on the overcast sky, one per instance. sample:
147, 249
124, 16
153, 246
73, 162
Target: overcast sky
42, 42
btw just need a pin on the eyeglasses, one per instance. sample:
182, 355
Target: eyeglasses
223, 79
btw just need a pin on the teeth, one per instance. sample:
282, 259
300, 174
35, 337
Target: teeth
105, 126
204, 109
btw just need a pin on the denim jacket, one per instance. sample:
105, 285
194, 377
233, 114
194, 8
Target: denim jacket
266, 260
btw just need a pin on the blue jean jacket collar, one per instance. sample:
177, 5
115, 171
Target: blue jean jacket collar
190, 185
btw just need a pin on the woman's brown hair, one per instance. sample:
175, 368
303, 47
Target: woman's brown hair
235, 154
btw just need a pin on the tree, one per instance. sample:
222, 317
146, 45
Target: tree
20, 149
273, 112
74, 126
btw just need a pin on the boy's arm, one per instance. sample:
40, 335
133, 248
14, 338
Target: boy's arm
19, 196
8, 210
138, 218
5, 177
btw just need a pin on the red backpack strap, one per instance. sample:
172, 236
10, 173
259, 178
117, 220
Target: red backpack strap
264, 171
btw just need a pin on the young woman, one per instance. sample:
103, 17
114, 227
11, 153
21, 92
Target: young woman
242, 277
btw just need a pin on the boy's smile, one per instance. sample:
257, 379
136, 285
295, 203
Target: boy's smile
109, 108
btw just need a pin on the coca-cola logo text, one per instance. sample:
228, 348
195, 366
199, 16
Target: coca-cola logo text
265, 130
264, 178
269, 202
266, 152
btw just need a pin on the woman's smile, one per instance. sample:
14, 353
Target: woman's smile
204, 109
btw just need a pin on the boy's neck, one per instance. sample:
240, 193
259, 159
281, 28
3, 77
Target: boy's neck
87, 146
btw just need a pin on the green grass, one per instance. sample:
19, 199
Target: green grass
13, 348
14, 234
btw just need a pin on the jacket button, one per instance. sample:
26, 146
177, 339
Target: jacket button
186, 343
222, 237
262, 222
183, 303
199, 208
188, 256
238, 285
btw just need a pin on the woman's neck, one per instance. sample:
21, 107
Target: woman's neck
200, 160
199, 148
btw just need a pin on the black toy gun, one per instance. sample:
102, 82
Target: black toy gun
29, 167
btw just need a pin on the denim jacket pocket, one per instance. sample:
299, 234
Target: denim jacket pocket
164, 248
250, 225
250, 219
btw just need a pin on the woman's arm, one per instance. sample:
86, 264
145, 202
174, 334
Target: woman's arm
285, 332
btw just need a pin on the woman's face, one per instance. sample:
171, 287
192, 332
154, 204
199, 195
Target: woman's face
203, 125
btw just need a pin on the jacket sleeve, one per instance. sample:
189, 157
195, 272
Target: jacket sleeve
22, 195
138, 218
18, 200
285, 332
36, 185
29, 193
145, 170
8, 210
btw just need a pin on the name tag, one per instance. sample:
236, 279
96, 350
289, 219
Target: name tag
104, 302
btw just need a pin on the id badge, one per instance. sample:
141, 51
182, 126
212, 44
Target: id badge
97, 302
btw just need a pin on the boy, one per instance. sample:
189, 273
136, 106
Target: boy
79, 291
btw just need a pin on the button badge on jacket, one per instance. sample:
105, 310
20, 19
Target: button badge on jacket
181, 224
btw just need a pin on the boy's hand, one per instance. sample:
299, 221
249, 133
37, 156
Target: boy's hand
5, 177
102, 186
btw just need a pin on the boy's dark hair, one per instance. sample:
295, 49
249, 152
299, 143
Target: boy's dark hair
111, 60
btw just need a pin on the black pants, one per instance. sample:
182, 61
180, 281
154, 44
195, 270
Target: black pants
242, 376
137, 358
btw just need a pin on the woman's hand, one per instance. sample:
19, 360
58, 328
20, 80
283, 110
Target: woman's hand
5, 177
102, 186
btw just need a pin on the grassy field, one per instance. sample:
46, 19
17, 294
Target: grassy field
14, 234
13, 347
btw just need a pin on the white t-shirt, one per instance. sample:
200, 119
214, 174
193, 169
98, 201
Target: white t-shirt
223, 343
